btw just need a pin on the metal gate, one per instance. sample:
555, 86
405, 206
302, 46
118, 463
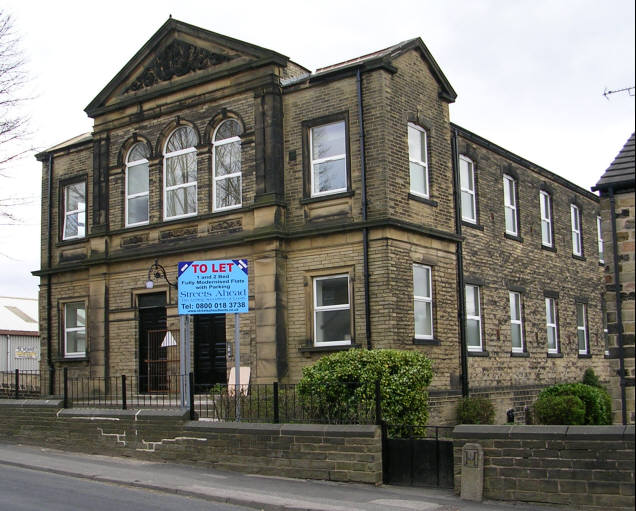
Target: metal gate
163, 361
423, 458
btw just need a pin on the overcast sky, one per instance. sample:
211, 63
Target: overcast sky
529, 74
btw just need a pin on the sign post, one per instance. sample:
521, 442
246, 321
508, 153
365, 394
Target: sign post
215, 287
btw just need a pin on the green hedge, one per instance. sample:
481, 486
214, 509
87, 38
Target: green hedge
475, 410
598, 406
342, 385
566, 409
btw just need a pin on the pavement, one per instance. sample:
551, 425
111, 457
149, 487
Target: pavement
259, 492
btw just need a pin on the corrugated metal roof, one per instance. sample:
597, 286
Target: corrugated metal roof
18, 314
620, 174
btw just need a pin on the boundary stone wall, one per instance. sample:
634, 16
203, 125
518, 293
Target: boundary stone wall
589, 467
348, 453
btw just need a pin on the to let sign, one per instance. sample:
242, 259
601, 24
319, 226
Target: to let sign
213, 287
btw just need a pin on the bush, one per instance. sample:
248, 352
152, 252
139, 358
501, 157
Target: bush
566, 409
341, 386
598, 408
475, 410
590, 378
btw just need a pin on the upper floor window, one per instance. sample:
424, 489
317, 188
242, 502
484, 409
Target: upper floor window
473, 319
332, 310
74, 329
137, 185
423, 301
581, 328
577, 244
467, 185
551, 325
418, 160
599, 235
516, 322
74, 211
328, 150
546, 219
227, 165
510, 205
180, 174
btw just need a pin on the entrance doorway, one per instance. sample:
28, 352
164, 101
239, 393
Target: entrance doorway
152, 317
210, 345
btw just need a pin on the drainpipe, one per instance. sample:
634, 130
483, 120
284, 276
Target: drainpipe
461, 291
365, 229
619, 306
49, 259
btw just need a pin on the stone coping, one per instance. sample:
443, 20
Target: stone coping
521, 432
341, 430
135, 413
53, 403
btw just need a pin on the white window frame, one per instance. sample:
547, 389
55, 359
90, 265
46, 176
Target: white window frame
313, 162
516, 321
217, 179
475, 318
470, 191
166, 189
324, 308
599, 234
80, 212
577, 240
129, 165
582, 328
511, 204
551, 310
67, 330
424, 164
426, 300
545, 207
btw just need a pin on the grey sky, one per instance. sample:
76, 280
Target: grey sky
529, 73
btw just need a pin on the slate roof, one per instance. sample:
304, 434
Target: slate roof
620, 174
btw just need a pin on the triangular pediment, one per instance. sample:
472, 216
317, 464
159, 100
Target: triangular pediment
178, 56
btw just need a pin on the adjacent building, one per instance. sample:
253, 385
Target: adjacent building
367, 218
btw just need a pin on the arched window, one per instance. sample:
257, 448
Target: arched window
227, 165
180, 174
137, 185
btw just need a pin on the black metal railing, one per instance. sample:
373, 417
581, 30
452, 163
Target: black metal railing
20, 384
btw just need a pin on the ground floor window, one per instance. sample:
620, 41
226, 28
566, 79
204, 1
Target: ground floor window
473, 319
74, 329
581, 328
551, 325
332, 310
423, 301
516, 322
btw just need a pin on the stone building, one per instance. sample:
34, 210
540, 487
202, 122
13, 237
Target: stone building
341, 188
616, 232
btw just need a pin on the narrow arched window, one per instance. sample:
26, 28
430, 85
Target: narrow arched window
137, 185
180, 174
227, 165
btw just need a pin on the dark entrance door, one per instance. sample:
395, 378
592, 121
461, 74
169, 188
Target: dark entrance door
152, 317
209, 349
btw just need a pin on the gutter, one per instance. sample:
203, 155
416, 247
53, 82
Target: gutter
619, 306
365, 229
461, 289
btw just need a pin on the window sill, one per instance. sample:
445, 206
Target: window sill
74, 241
585, 355
71, 359
513, 237
578, 257
548, 249
328, 196
423, 200
524, 354
427, 342
322, 349
555, 355
478, 353
472, 225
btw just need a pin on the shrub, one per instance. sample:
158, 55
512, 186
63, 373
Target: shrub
598, 408
341, 387
475, 410
590, 378
565, 409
